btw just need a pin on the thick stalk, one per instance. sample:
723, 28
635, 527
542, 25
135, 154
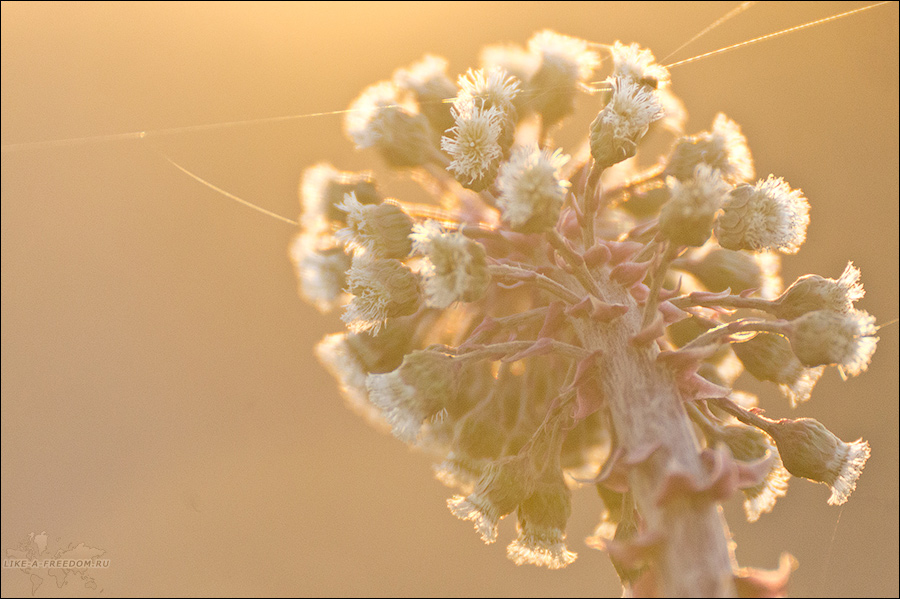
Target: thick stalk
647, 411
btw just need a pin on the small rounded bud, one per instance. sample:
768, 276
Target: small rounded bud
532, 189
455, 269
769, 358
812, 292
824, 337
687, 218
383, 118
423, 386
474, 145
542, 520
809, 450
565, 63
624, 120
766, 216
381, 289
381, 230
724, 148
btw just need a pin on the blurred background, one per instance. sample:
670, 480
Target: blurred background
160, 398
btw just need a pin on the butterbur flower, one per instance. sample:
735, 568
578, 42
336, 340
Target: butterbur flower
542, 520
474, 145
504, 485
812, 292
419, 389
638, 64
381, 289
532, 189
770, 358
824, 337
493, 88
723, 148
515, 60
381, 230
383, 118
809, 450
766, 216
455, 267
624, 120
687, 218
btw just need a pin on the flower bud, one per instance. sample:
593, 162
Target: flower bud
455, 267
381, 230
812, 292
824, 337
769, 358
381, 289
687, 218
542, 520
474, 145
621, 124
322, 188
532, 189
423, 386
766, 216
809, 450
565, 63
382, 118
505, 484
724, 148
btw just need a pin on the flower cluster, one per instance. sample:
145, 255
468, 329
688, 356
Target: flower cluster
551, 317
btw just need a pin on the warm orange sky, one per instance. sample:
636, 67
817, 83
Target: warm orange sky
160, 399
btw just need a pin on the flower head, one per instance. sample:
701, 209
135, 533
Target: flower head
321, 273
455, 266
638, 64
769, 358
565, 63
809, 450
812, 292
428, 80
724, 148
504, 485
384, 118
420, 388
824, 337
381, 289
474, 145
381, 230
766, 216
532, 189
323, 187
687, 218
542, 520
624, 120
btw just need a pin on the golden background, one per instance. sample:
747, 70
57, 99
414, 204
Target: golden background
160, 399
